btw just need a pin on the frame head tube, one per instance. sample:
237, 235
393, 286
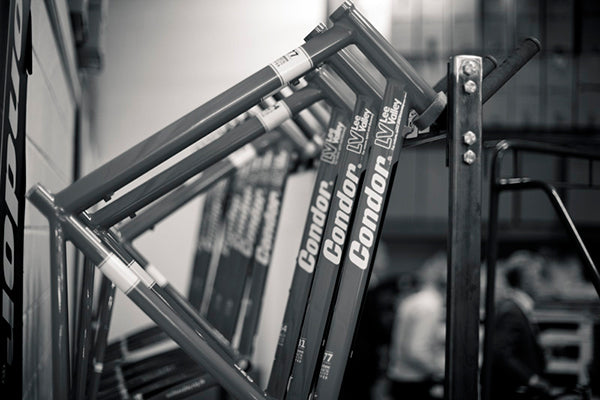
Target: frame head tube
391, 64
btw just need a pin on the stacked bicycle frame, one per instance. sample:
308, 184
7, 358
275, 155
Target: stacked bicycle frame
244, 151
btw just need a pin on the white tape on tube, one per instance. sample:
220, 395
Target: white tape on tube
156, 275
144, 275
118, 273
242, 156
273, 116
292, 65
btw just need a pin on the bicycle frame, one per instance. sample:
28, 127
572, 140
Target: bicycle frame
158, 211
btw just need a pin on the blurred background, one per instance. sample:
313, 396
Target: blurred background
107, 74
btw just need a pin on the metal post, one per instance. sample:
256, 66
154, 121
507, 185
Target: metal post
83, 341
464, 236
490, 294
106, 300
61, 370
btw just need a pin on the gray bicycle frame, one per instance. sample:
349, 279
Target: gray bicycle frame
167, 205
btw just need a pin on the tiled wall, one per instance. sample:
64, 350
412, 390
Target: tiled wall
49, 153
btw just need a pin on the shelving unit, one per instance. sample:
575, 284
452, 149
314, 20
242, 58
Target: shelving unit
567, 337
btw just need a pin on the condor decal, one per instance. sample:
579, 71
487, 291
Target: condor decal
360, 249
318, 211
15, 50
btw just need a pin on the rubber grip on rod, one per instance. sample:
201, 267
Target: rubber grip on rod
513, 63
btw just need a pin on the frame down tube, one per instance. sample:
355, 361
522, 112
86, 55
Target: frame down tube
242, 220
338, 228
228, 374
261, 261
351, 170
334, 161
159, 285
165, 293
215, 202
362, 246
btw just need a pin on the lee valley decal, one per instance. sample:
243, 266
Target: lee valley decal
14, 21
358, 132
333, 141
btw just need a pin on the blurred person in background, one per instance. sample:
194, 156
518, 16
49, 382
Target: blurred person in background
517, 359
416, 358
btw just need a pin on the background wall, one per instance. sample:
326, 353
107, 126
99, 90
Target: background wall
164, 59
53, 92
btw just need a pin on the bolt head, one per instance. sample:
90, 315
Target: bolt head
470, 87
469, 138
469, 157
470, 67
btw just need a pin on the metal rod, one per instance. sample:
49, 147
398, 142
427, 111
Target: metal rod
83, 340
106, 299
498, 185
563, 214
490, 293
547, 148
61, 369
